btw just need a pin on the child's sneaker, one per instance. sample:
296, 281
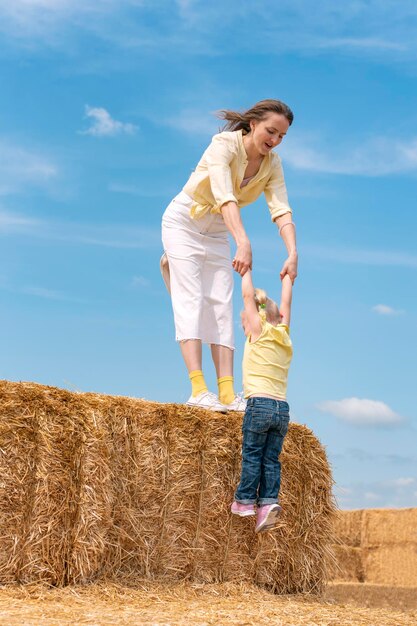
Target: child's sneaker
238, 404
207, 400
243, 510
267, 517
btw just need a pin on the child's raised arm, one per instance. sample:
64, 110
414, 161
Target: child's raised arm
286, 298
251, 310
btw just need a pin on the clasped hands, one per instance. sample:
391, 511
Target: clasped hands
242, 262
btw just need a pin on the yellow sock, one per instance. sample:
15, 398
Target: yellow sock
198, 384
226, 390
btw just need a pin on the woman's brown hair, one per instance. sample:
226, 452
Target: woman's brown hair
241, 121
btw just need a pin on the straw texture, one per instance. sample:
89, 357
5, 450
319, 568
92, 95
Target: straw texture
159, 603
377, 546
96, 486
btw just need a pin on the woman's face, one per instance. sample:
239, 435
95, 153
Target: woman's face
269, 132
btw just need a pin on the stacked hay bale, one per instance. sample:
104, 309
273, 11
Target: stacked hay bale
95, 485
377, 546
390, 546
348, 566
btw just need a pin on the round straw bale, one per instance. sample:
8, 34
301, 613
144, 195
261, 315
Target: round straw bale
99, 486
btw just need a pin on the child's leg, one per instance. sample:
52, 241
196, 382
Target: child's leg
270, 479
254, 437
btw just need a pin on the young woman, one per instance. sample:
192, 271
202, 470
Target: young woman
238, 165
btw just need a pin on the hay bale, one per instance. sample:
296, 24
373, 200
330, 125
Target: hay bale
389, 542
348, 527
99, 486
17, 467
391, 565
378, 545
349, 565
389, 526
46, 497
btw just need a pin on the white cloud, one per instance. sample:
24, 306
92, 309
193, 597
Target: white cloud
103, 125
48, 294
361, 412
107, 235
38, 292
371, 495
185, 5
126, 188
384, 309
43, 292
401, 482
140, 281
192, 121
22, 168
342, 254
377, 28
136, 190
12, 223
371, 43
45, 21
392, 493
367, 157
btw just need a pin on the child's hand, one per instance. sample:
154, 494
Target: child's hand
242, 261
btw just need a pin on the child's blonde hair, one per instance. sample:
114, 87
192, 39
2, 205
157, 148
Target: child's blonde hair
272, 314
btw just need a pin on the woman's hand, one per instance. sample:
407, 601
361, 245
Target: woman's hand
242, 261
290, 267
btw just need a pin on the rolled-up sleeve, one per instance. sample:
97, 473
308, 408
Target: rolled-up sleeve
276, 192
218, 157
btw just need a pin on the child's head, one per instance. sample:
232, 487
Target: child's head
263, 303
272, 314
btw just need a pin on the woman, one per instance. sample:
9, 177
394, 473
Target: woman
234, 170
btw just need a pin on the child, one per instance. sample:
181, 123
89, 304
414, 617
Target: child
267, 356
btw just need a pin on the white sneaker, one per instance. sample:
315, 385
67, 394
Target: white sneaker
207, 400
238, 404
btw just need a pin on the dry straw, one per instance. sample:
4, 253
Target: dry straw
377, 546
159, 603
96, 486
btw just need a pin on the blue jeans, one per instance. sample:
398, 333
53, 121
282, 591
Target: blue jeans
265, 425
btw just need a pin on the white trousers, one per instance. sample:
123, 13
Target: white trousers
201, 273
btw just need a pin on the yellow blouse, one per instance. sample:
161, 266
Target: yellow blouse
266, 362
218, 176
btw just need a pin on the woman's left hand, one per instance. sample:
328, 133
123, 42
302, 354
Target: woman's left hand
290, 267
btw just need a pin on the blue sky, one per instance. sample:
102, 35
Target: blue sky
106, 107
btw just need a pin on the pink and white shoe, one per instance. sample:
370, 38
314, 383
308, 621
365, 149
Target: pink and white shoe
243, 510
267, 517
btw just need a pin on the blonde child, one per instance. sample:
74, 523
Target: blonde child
266, 360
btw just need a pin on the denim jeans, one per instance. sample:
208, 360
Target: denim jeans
265, 425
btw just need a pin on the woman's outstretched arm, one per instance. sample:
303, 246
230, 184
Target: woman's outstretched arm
287, 231
242, 261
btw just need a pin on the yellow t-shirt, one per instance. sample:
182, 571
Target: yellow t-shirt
219, 174
266, 362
